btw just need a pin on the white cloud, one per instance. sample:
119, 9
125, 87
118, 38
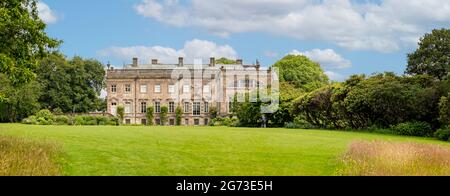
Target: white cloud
328, 58
335, 76
46, 14
359, 25
192, 49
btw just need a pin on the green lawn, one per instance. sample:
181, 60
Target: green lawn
108, 150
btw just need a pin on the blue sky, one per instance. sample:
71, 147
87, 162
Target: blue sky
345, 36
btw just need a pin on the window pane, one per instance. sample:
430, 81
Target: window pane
171, 107
144, 107
157, 88
186, 107
157, 107
171, 88
143, 88
127, 88
186, 88
113, 88
196, 109
206, 107
128, 107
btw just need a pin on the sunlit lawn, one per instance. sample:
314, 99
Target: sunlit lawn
132, 150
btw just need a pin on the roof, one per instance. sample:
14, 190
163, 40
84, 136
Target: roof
186, 66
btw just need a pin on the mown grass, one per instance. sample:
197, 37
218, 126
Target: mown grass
204, 151
381, 158
25, 157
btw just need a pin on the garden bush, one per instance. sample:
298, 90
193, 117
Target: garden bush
31, 120
78, 120
299, 124
90, 120
102, 120
291, 125
45, 118
43, 121
303, 124
413, 129
228, 122
113, 121
62, 120
45, 115
443, 134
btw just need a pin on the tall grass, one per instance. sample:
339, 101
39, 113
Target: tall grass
395, 159
23, 157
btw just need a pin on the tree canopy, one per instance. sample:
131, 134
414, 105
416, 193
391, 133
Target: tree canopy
21, 101
23, 40
301, 72
382, 100
433, 55
71, 84
225, 61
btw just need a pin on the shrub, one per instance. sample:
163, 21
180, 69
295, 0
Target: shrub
78, 120
413, 129
299, 124
31, 120
303, 124
149, 115
62, 120
178, 115
58, 111
229, 122
443, 134
90, 120
163, 115
43, 121
102, 120
291, 125
121, 113
45, 114
113, 121
212, 112
71, 120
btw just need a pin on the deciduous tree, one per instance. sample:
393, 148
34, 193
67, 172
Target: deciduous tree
23, 40
433, 55
301, 72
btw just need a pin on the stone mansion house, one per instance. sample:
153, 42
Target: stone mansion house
194, 87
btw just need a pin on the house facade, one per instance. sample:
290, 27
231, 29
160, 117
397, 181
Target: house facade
196, 88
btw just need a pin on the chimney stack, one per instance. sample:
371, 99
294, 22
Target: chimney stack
135, 62
180, 61
239, 61
154, 61
212, 62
